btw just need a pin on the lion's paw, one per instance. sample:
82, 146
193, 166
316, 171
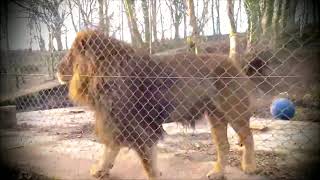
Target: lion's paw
155, 176
212, 175
98, 172
217, 173
249, 168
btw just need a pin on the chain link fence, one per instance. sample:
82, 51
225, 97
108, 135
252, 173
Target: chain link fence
103, 91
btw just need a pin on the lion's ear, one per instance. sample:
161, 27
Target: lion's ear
81, 46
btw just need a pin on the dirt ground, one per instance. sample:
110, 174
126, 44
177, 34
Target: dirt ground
59, 144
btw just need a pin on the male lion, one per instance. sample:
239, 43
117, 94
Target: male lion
133, 94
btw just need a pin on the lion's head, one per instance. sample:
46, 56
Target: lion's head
92, 55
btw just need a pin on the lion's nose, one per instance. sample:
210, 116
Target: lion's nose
59, 77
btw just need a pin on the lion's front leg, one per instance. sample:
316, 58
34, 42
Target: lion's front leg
105, 163
148, 157
242, 127
220, 139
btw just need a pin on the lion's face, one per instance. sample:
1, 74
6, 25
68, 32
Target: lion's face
78, 66
91, 58
77, 59
65, 69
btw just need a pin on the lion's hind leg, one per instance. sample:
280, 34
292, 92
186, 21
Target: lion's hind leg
148, 157
105, 163
242, 128
220, 139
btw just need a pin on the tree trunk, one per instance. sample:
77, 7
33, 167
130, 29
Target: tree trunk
121, 14
132, 22
106, 16
193, 43
57, 35
101, 15
161, 21
234, 49
79, 16
230, 7
275, 22
184, 25
291, 24
218, 16
238, 16
4, 24
39, 37
254, 24
42, 45
84, 16
176, 30
284, 14
212, 17
316, 14
50, 43
203, 19
176, 17
66, 41
145, 10
154, 19
267, 18
72, 18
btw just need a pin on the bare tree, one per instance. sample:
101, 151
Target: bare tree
161, 22
291, 24
50, 43
101, 14
270, 18
4, 23
254, 26
234, 49
132, 23
154, 19
203, 19
146, 19
275, 20
284, 13
39, 37
194, 40
48, 12
121, 22
184, 25
70, 5
66, 39
238, 15
37, 31
104, 17
218, 16
177, 10
213, 18
107, 17
86, 9
266, 19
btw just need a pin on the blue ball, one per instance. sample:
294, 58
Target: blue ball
282, 108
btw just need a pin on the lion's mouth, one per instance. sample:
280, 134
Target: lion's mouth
62, 79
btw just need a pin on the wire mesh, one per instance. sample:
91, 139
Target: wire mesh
133, 99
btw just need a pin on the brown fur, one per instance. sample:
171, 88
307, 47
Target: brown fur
132, 94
